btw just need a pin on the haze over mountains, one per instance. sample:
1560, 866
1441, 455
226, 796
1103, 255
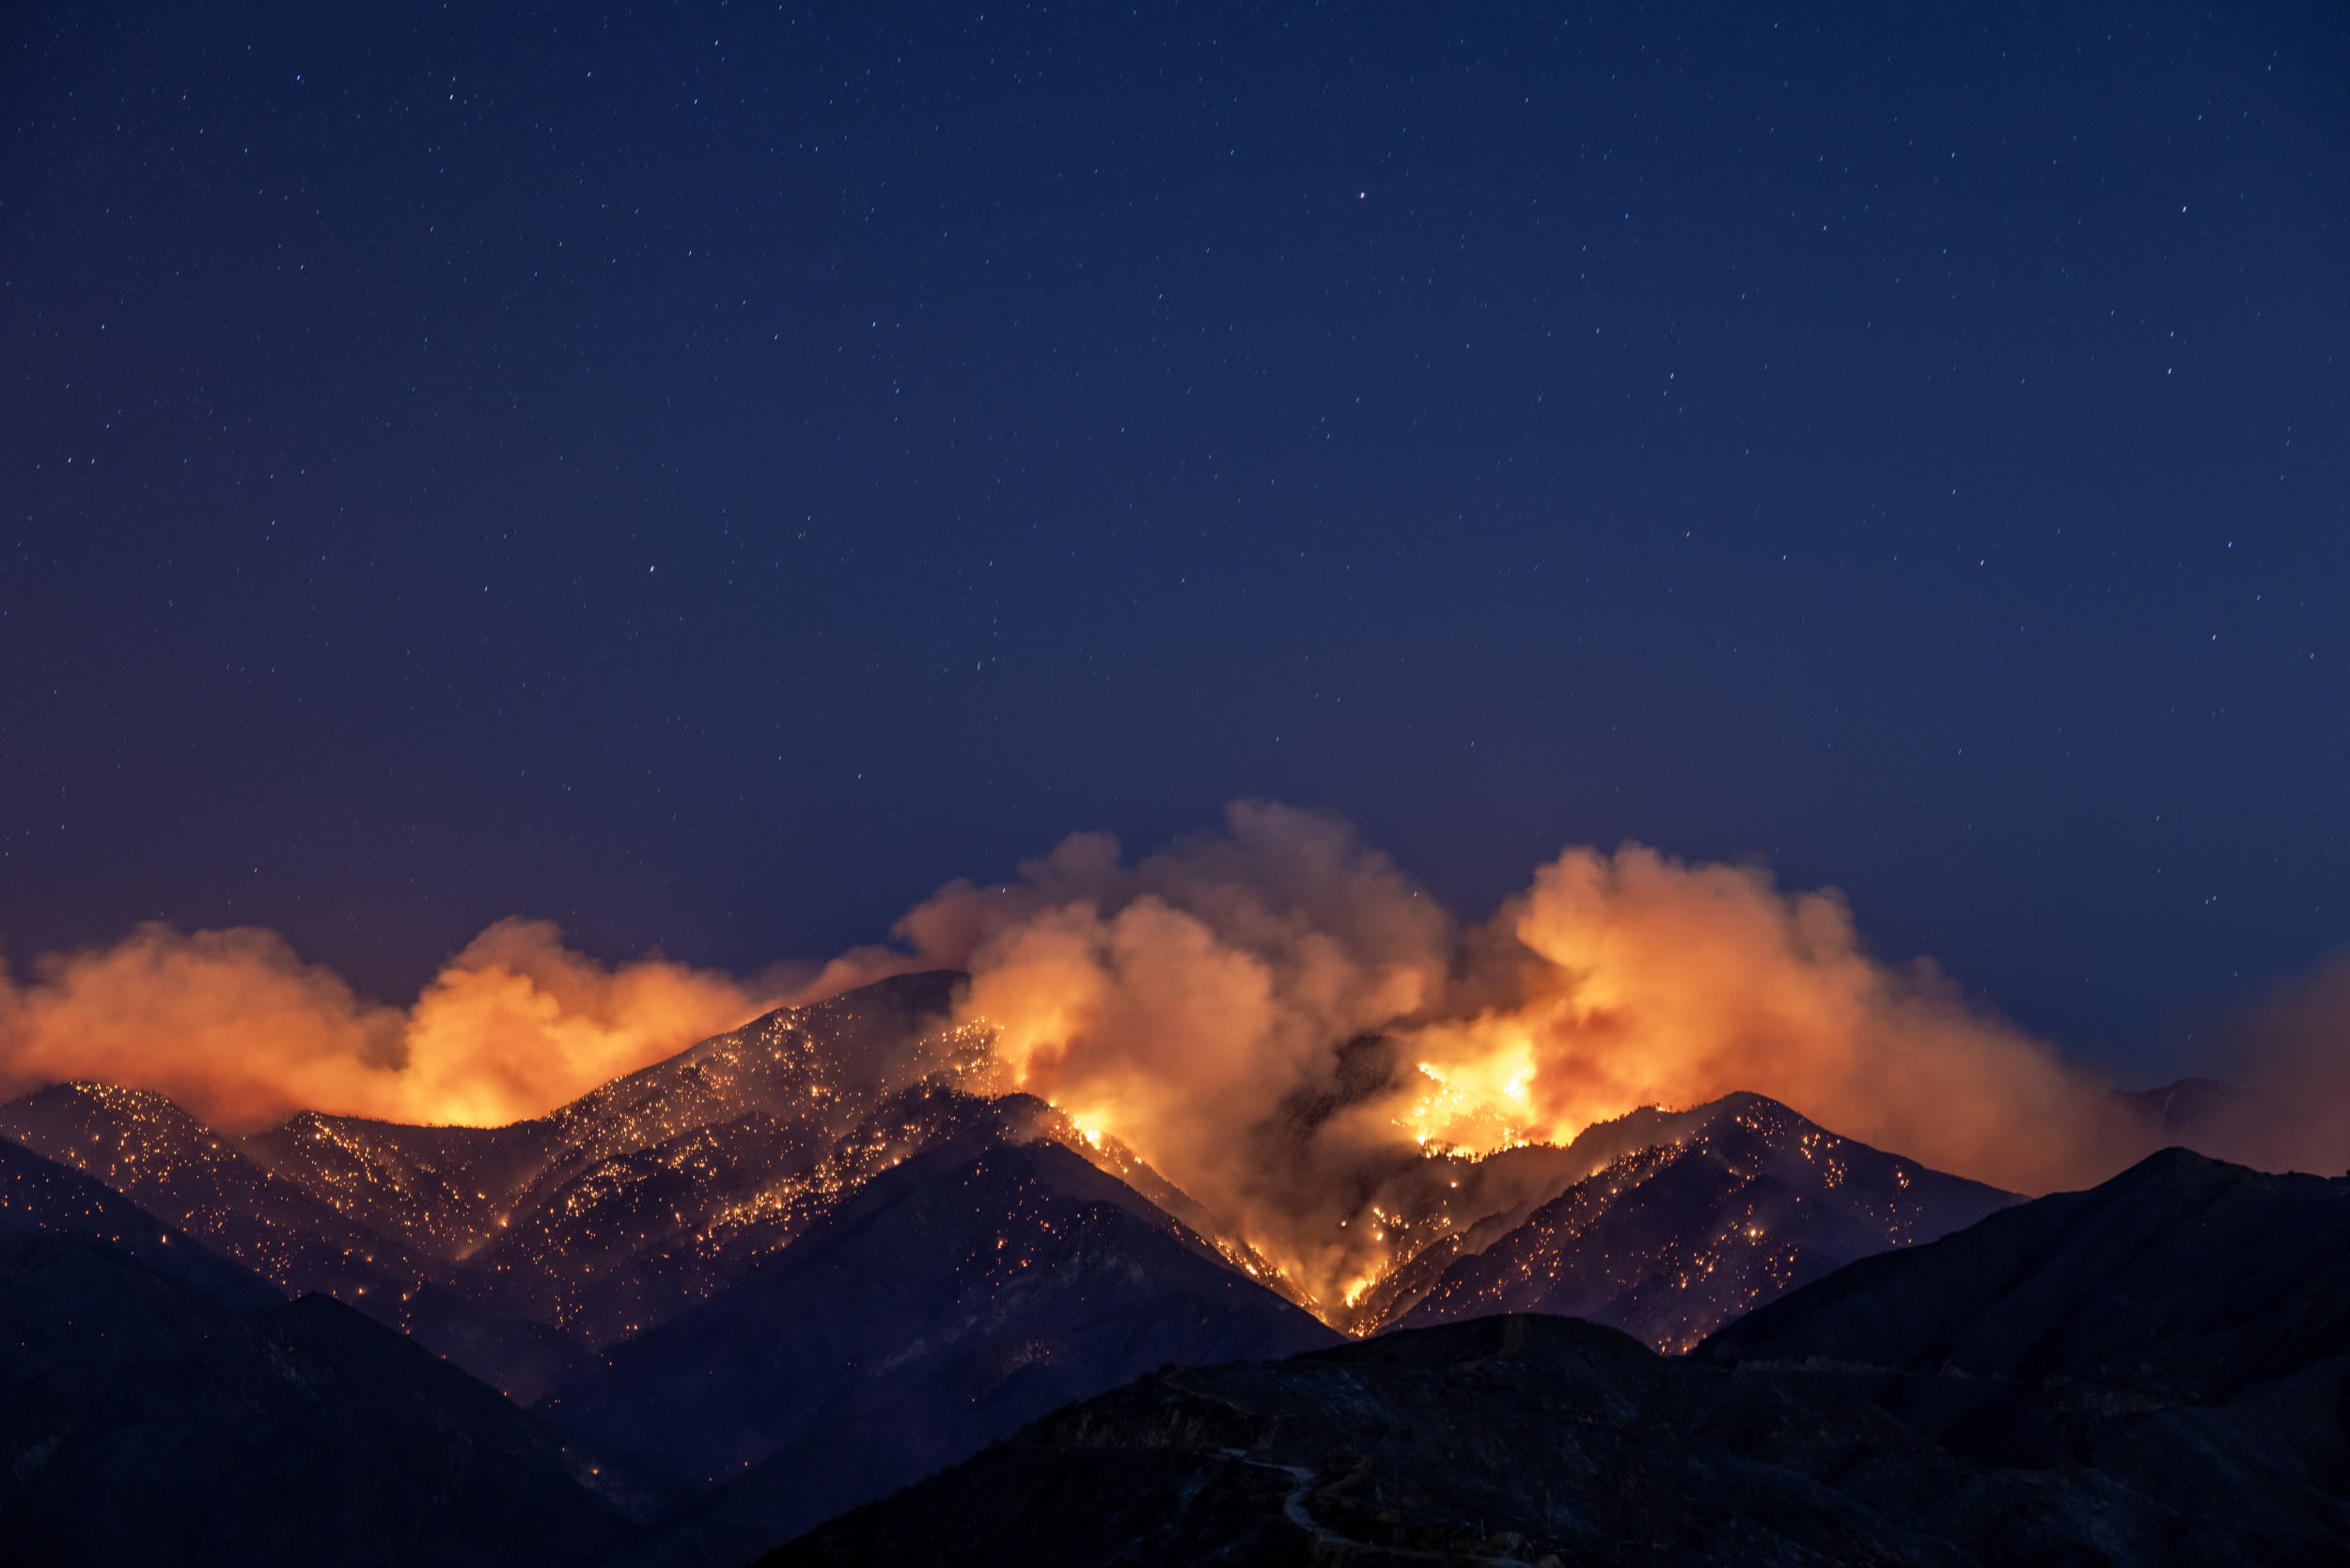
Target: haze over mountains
809, 1260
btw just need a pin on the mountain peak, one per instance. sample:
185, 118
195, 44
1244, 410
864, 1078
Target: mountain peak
95, 1104
1711, 1212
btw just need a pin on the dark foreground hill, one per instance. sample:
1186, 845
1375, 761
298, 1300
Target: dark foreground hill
948, 1270
176, 1411
2184, 1278
800, 1264
2152, 1372
166, 1161
42, 1197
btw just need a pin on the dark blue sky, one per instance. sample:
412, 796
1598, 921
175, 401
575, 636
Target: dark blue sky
708, 474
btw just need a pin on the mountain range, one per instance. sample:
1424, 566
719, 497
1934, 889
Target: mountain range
805, 1262
2154, 1372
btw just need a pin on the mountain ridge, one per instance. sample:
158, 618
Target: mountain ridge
2008, 1424
1710, 1210
814, 1257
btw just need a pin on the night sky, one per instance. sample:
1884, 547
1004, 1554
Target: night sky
707, 475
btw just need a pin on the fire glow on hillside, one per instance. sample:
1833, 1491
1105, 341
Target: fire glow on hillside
1274, 1017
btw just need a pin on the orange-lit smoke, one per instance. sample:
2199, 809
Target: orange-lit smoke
1645, 980
236, 1027
1276, 1015
1182, 1004
2292, 1059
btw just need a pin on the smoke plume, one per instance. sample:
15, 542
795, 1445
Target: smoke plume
1274, 1016
236, 1027
1280, 1020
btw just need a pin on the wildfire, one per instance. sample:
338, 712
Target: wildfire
1274, 1018
1266, 1016
1476, 1108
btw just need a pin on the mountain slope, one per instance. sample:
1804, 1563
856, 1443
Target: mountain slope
2150, 1373
945, 1269
1711, 1212
2184, 1275
609, 1214
976, 1283
439, 1190
816, 1069
40, 1196
494, 1246
162, 1159
179, 1411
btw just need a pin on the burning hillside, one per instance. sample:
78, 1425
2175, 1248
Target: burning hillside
1278, 1024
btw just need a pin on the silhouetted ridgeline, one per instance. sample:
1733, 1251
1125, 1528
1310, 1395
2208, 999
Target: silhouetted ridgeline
2151, 1373
160, 1404
814, 1288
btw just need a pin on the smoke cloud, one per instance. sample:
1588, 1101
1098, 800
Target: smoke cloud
2292, 1059
1281, 1021
1645, 980
1274, 1016
236, 1027
1196, 1007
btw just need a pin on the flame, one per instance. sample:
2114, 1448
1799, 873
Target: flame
1476, 1107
